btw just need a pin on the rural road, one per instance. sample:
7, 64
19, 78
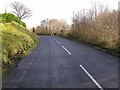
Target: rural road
62, 63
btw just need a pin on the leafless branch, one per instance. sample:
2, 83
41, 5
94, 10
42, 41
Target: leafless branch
21, 10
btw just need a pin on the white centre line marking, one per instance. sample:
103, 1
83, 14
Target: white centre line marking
58, 42
90, 76
66, 50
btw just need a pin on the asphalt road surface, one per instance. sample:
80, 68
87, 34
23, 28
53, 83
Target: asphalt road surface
62, 63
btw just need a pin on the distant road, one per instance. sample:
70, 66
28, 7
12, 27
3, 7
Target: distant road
62, 63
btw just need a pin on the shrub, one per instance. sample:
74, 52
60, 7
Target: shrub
8, 17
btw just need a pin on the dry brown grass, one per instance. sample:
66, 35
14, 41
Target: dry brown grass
97, 27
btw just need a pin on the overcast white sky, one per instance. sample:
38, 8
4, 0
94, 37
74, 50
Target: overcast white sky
60, 9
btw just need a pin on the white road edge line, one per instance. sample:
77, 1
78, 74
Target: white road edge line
58, 42
90, 76
66, 50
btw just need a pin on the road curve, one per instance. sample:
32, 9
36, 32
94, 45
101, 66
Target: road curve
62, 63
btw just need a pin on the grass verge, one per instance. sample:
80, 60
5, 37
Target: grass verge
17, 42
114, 52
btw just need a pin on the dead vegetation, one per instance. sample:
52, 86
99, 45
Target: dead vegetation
97, 26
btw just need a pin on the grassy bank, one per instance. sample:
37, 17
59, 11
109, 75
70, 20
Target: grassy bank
17, 42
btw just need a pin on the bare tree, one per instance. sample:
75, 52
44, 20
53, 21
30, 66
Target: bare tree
21, 10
